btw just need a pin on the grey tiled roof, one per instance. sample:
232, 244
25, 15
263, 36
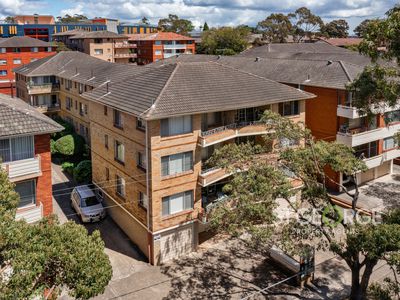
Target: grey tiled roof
191, 88
97, 34
22, 41
19, 118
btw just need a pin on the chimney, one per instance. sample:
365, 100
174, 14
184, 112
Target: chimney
329, 62
258, 59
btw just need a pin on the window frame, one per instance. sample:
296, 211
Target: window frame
120, 183
116, 145
166, 203
167, 160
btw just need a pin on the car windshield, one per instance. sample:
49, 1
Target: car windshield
90, 201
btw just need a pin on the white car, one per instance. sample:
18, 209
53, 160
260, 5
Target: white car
87, 204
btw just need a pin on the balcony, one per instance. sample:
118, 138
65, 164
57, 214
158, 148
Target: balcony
350, 112
224, 133
175, 46
125, 55
360, 136
378, 160
23, 169
125, 45
45, 88
30, 214
48, 108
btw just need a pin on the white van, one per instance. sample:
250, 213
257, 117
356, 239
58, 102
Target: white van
87, 204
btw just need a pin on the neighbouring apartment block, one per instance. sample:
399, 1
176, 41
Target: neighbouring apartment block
17, 51
160, 45
152, 130
25, 155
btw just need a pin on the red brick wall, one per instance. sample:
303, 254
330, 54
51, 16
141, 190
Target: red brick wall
44, 184
25, 55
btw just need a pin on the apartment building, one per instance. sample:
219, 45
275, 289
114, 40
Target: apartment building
105, 45
152, 130
25, 156
157, 46
17, 51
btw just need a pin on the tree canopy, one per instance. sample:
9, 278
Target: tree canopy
361, 28
145, 21
9, 20
76, 18
39, 257
224, 40
206, 27
305, 24
174, 24
336, 29
276, 28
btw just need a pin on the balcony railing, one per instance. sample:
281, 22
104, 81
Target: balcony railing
24, 168
45, 108
125, 45
125, 55
226, 132
378, 160
350, 112
175, 46
30, 214
44, 88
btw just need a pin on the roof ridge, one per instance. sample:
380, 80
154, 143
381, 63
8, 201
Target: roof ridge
345, 70
261, 77
176, 66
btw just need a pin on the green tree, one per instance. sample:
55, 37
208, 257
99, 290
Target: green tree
224, 41
83, 172
360, 29
305, 24
71, 144
76, 18
174, 24
336, 29
61, 46
39, 257
276, 28
145, 21
254, 190
9, 20
206, 27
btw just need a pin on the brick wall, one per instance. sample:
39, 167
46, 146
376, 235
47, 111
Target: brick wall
44, 183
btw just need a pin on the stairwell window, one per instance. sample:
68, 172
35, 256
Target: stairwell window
177, 163
119, 152
120, 185
176, 203
141, 160
118, 119
290, 108
176, 125
143, 201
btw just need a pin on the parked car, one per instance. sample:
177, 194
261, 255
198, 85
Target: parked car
87, 204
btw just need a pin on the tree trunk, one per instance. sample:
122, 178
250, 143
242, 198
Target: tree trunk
369, 267
355, 282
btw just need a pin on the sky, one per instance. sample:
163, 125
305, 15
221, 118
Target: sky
215, 12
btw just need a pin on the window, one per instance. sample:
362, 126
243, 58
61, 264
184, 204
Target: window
3, 72
289, 108
16, 148
141, 160
177, 125
68, 103
76, 104
86, 109
106, 141
3, 50
17, 50
177, 163
34, 49
105, 110
117, 119
119, 152
120, 186
107, 174
177, 203
143, 201
98, 51
157, 43
158, 52
140, 124
98, 41
81, 108
82, 129
80, 88
17, 61
389, 143
27, 192
49, 49
3, 62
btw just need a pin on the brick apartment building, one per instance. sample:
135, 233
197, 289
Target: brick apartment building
151, 131
17, 51
105, 45
157, 46
25, 155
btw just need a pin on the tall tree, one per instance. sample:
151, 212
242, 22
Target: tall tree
224, 40
254, 190
206, 27
276, 28
360, 29
336, 29
305, 24
145, 21
76, 18
174, 24
39, 257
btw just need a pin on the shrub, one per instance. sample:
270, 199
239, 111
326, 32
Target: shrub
68, 167
69, 145
68, 129
53, 149
83, 172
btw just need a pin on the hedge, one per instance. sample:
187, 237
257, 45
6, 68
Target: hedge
83, 172
69, 145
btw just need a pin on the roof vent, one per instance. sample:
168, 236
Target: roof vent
258, 59
308, 78
107, 86
330, 62
219, 57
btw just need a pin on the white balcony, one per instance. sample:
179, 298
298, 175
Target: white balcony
23, 169
125, 55
175, 46
352, 112
44, 88
31, 214
125, 45
378, 160
354, 138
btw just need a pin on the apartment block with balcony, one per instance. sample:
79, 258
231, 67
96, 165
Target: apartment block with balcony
25, 156
150, 143
105, 45
161, 45
18, 51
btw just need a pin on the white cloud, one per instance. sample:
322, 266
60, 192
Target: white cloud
77, 10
